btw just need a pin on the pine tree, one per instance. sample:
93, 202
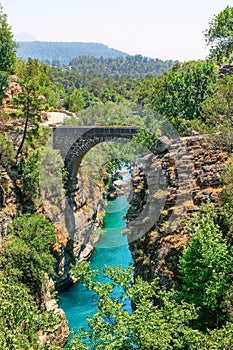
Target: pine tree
7, 52
7, 45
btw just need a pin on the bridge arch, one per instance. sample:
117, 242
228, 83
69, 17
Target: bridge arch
74, 143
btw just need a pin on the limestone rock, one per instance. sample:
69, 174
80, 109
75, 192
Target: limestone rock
86, 252
225, 70
162, 145
51, 305
191, 168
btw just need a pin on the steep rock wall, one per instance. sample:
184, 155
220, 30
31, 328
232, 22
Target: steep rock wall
78, 229
9, 205
186, 173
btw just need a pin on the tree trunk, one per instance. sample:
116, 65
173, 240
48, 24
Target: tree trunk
24, 133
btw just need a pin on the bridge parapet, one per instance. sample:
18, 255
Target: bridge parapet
65, 136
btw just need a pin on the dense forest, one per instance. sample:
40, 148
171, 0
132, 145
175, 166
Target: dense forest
135, 66
195, 97
96, 59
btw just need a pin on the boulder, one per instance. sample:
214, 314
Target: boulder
120, 183
162, 145
86, 252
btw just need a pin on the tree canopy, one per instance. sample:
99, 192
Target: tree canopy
7, 51
219, 36
178, 95
160, 318
7, 45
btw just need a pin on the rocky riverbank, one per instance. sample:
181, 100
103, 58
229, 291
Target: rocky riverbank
118, 186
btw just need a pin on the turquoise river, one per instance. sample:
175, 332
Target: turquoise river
112, 249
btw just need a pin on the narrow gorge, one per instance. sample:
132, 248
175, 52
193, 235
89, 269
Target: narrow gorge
172, 181
116, 193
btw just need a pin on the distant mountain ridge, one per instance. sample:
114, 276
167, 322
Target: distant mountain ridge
24, 37
64, 52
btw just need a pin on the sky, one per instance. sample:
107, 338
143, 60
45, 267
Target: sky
165, 29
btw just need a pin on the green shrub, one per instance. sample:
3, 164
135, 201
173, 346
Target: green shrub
206, 263
7, 152
20, 318
30, 178
27, 253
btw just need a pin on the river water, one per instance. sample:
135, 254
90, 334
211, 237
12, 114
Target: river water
112, 249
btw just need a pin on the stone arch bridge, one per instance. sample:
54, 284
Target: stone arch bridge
73, 142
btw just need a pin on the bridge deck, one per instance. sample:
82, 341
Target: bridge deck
95, 130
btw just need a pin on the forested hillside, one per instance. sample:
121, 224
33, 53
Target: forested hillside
134, 66
96, 59
64, 52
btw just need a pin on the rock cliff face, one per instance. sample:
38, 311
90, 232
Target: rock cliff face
8, 203
80, 229
173, 181
60, 333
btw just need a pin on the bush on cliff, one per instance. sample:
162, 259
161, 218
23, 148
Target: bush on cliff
27, 252
26, 259
206, 263
20, 318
